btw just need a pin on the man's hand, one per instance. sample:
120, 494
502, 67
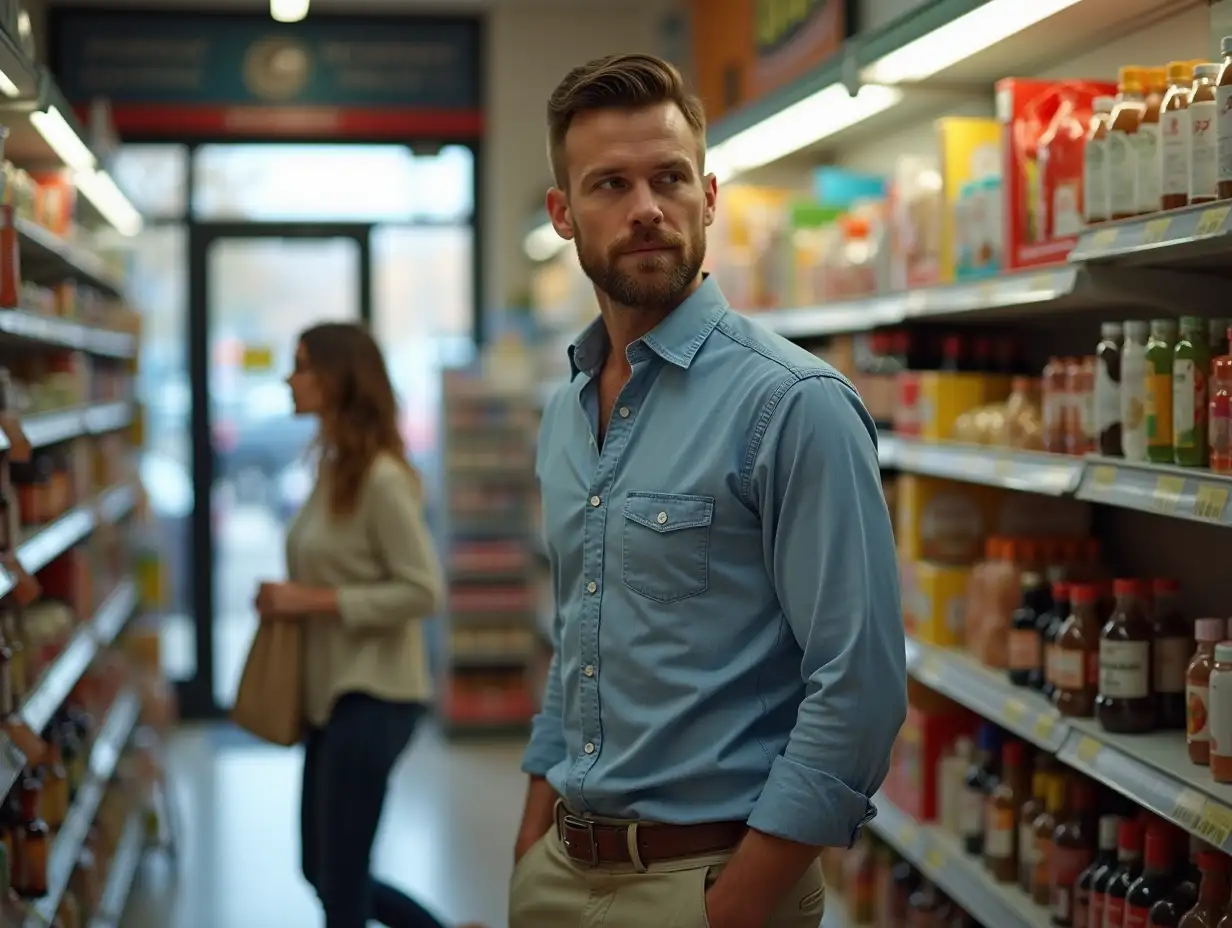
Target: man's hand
538, 816
756, 879
725, 911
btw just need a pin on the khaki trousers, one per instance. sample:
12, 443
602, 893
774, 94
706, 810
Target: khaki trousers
550, 890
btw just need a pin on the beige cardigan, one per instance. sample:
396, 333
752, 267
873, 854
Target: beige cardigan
381, 562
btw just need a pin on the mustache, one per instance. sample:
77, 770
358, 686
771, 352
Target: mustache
648, 240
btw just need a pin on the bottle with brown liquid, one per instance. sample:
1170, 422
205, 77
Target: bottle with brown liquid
1172, 648
1126, 700
1001, 838
1156, 880
1174, 137
1073, 849
1049, 627
1208, 633
1122, 152
1095, 163
34, 841
1203, 136
1043, 828
1212, 892
1029, 811
1100, 867
1024, 642
1129, 868
55, 787
1146, 141
1076, 654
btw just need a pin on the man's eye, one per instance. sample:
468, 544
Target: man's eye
611, 183
672, 177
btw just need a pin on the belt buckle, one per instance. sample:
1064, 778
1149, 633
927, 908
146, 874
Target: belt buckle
574, 823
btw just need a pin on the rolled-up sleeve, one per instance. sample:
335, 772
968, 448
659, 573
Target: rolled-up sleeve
829, 547
411, 587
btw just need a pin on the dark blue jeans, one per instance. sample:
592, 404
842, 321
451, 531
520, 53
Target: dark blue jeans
346, 774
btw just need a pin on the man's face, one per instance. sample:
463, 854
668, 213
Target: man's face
636, 203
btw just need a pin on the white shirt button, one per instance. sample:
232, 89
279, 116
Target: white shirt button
662, 518
624, 412
591, 587
590, 748
589, 670
594, 501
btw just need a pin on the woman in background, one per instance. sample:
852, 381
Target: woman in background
363, 577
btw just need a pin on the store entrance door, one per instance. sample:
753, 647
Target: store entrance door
256, 287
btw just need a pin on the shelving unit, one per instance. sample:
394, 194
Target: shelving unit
490, 561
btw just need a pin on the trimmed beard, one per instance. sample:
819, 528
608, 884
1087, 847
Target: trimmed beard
676, 270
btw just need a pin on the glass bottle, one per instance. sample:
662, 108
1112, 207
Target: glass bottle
1076, 654
1025, 647
35, 840
1212, 892
1156, 880
1043, 828
1208, 633
976, 787
1001, 837
1073, 848
1102, 864
1128, 869
1030, 810
1190, 363
1126, 700
1049, 627
55, 788
1159, 357
1171, 651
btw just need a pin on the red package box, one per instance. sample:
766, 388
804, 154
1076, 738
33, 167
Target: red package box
932, 726
1044, 125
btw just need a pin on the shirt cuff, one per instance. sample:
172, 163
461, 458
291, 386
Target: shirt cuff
809, 807
546, 748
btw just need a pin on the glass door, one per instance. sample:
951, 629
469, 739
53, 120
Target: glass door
256, 287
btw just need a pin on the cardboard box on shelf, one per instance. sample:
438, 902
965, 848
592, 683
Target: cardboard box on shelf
916, 210
971, 227
932, 726
945, 395
942, 521
934, 602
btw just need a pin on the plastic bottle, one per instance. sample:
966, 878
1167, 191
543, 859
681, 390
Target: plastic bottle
1108, 389
1159, 352
1126, 700
1203, 143
1146, 141
1207, 633
1122, 154
1223, 120
1095, 163
1219, 418
1134, 391
1174, 137
1190, 363
1220, 713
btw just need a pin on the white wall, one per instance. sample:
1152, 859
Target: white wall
528, 53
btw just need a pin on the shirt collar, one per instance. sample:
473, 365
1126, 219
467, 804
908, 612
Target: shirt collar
676, 339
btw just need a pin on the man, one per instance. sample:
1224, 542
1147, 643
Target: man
729, 670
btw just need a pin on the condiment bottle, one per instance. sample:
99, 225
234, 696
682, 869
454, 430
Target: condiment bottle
1043, 827
1024, 643
1174, 137
1172, 648
904, 880
1156, 880
35, 841
1054, 401
1219, 423
1095, 163
1128, 869
1073, 848
1159, 352
1220, 713
1049, 626
1191, 361
1076, 654
924, 906
1146, 141
1126, 700
1217, 336
1223, 120
1101, 865
55, 789
1122, 154
1082, 436
1134, 391
1212, 892
1207, 632
1001, 839
1031, 808
1203, 137
861, 882
1108, 389
976, 789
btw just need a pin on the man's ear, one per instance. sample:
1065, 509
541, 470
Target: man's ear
710, 188
558, 212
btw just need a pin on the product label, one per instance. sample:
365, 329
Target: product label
1114, 911
999, 839
1094, 181
1122, 174
1107, 399
1184, 408
1054, 403
1098, 906
1024, 650
1136, 917
971, 813
1082, 907
1133, 405
1220, 425
1067, 865
1219, 713
1125, 669
1174, 153
1069, 669
1171, 662
1085, 416
1146, 157
1197, 712
1223, 132
1026, 854
1159, 410
1203, 150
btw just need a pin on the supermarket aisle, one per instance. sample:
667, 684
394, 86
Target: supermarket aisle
447, 833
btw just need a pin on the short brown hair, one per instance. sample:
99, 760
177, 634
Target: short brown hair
617, 82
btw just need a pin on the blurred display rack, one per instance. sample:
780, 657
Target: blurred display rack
490, 563
123, 872
49, 257
50, 428
46, 544
65, 333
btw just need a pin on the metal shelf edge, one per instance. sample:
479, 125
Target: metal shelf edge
123, 871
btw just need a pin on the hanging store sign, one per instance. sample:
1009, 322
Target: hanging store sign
229, 75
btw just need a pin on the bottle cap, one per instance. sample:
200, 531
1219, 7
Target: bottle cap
1108, 825
1225, 45
1158, 851
1223, 652
1110, 330
1165, 586
1012, 753
1060, 591
1210, 630
1207, 72
1129, 835
1127, 586
1085, 593
1131, 79
1137, 329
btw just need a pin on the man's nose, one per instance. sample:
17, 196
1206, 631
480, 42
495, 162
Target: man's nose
646, 210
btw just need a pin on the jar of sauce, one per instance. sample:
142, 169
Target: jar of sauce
1223, 136
1203, 135
1076, 654
1174, 136
1122, 153
1095, 163
1219, 422
1220, 713
1126, 700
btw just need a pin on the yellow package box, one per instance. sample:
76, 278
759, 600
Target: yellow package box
943, 521
934, 602
971, 244
945, 395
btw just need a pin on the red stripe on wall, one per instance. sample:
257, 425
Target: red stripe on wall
298, 121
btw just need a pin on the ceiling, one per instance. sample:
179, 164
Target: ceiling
350, 6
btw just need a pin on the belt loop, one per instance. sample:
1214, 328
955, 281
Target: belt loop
635, 854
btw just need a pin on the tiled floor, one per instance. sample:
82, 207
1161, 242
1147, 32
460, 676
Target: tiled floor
446, 837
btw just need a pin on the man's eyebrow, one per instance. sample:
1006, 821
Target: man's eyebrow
670, 164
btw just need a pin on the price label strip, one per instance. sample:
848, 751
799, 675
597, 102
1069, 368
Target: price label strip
1014, 710
1167, 494
1002, 466
1044, 726
1156, 231
1088, 749
1187, 810
1210, 502
1211, 221
934, 858
1103, 477
1215, 823
1104, 238
907, 834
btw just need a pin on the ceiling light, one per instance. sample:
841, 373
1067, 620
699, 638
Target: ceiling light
61, 138
288, 11
960, 39
111, 203
7, 87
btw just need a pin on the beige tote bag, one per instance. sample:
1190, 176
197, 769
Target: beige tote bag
269, 702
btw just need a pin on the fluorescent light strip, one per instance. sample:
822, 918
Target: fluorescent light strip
109, 200
61, 138
961, 38
288, 11
7, 87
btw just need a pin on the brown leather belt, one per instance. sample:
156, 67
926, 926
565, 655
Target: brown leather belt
593, 843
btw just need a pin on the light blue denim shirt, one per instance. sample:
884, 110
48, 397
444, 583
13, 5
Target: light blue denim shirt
728, 632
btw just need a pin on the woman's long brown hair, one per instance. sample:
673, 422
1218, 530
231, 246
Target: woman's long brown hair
359, 415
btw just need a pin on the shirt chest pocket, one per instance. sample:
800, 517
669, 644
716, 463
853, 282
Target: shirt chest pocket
665, 548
